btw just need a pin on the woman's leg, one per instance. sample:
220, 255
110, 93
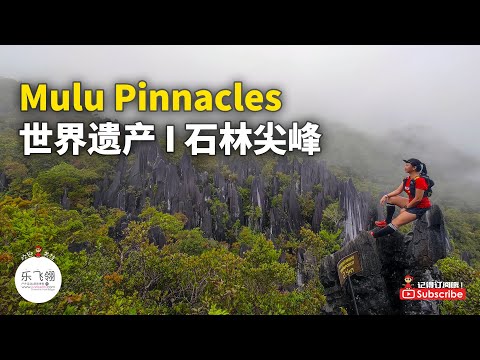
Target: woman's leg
402, 219
400, 201
390, 205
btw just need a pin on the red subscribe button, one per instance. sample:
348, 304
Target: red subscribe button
433, 294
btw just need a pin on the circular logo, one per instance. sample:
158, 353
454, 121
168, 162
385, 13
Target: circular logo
38, 279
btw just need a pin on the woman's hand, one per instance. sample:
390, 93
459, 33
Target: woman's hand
403, 210
383, 199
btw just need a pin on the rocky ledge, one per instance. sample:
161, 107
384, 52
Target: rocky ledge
385, 262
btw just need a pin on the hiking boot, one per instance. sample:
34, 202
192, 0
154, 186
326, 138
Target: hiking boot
381, 224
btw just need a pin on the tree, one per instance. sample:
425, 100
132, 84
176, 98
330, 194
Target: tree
313, 242
171, 225
191, 242
307, 206
254, 214
464, 231
332, 217
319, 245
456, 270
78, 183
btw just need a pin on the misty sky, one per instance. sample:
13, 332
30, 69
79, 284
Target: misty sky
386, 88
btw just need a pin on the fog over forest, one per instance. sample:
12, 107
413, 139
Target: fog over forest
375, 104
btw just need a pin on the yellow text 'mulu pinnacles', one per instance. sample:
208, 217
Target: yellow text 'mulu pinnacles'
202, 100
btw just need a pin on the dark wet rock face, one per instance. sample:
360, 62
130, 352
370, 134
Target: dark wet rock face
369, 286
357, 210
147, 173
117, 232
3, 182
385, 262
156, 236
65, 201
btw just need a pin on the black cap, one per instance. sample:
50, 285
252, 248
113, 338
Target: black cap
414, 162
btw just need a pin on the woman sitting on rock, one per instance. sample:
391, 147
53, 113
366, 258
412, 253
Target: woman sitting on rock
417, 186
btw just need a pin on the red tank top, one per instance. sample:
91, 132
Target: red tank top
420, 183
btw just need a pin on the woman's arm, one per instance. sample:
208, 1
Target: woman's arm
395, 192
418, 197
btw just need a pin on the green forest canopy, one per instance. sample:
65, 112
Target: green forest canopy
191, 274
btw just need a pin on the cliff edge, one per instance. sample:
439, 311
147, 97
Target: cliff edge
385, 262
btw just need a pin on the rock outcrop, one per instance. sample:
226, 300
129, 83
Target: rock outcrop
385, 262
179, 187
3, 182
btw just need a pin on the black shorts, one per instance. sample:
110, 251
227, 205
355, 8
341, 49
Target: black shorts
418, 211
